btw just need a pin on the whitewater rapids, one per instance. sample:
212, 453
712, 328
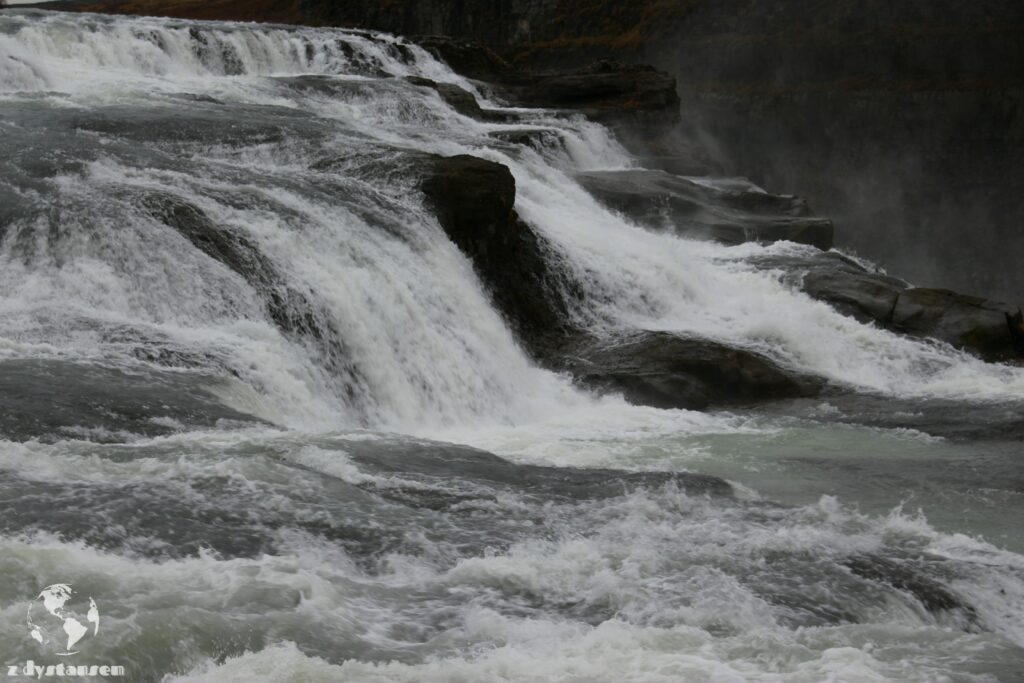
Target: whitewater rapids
290, 505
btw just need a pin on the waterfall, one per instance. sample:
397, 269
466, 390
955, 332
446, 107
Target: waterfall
237, 349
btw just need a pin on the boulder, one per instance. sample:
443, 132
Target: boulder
854, 291
474, 202
991, 330
665, 370
729, 212
50, 399
840, 281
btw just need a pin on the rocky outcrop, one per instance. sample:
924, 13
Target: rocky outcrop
670, 371
728, 211
474, 200
459, 99
617, 94
609, 92
991, 330
471, 59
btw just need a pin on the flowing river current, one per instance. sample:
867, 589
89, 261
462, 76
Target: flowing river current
332, 461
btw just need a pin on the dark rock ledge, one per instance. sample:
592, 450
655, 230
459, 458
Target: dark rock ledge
991, 330
616, 94
474, 201
729, 212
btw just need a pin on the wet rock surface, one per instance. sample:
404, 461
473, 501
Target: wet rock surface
474, 200
49, 400
991, 330
459, 99
615, 93
728, 212
670, 371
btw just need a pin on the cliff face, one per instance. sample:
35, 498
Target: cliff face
557, 31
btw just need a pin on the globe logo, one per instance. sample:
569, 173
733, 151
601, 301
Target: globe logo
56, 621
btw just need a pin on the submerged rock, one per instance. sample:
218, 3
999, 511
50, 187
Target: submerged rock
731, 213
437, 461
910, 577
459, 99
664, 370
289, 309
49, 400
294, 312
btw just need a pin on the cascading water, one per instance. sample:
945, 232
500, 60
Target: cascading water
229, 321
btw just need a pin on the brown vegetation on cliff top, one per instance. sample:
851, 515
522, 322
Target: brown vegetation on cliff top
274, 11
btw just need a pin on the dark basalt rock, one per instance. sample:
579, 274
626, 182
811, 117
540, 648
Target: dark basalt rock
470, 59
840, 281
731, 213
459, 99
474, 201
668, 371
992, 330
606, 91
535, 138
856, 292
